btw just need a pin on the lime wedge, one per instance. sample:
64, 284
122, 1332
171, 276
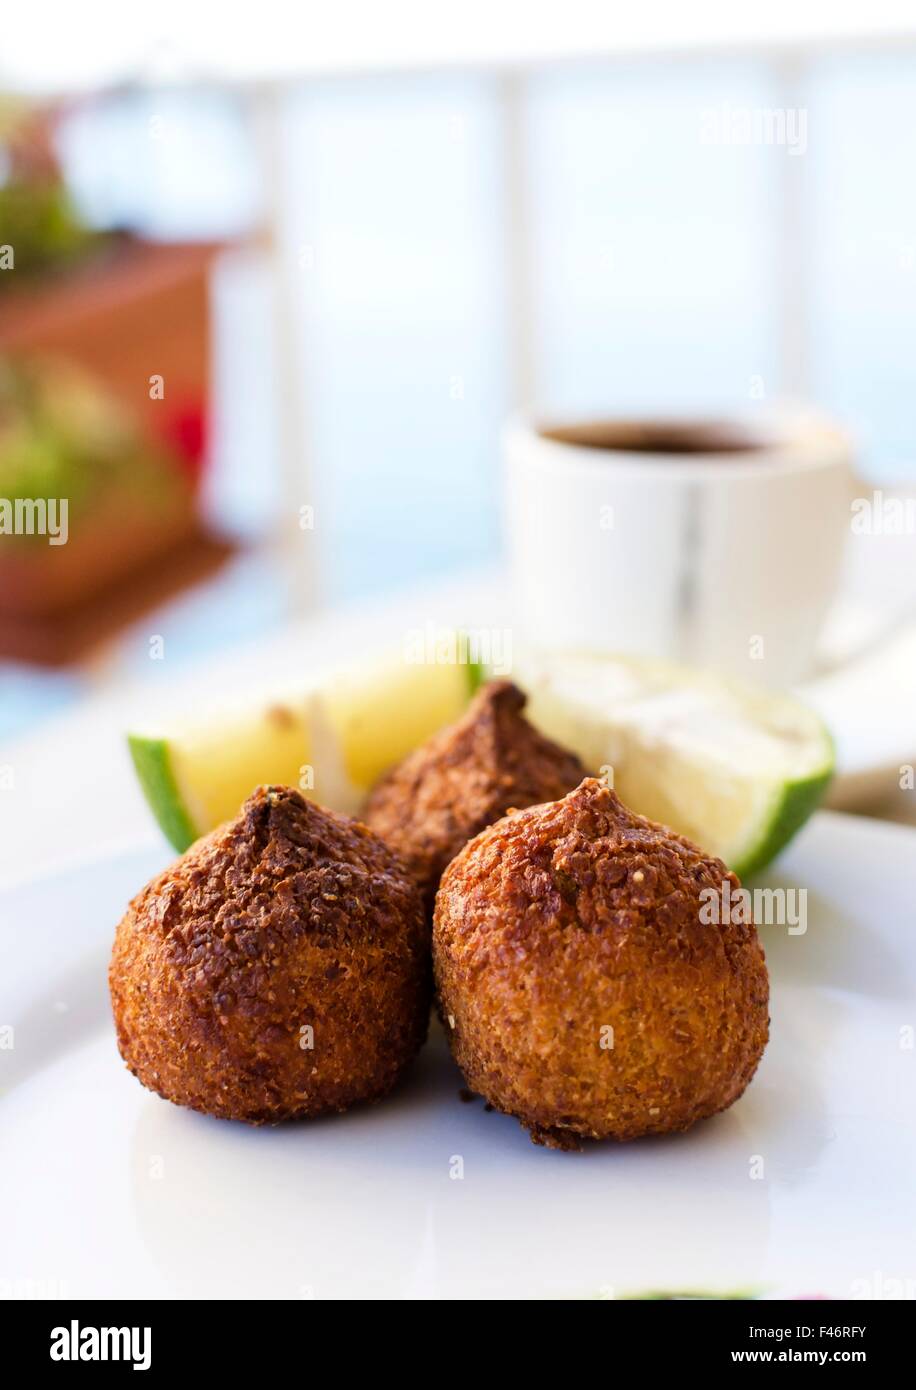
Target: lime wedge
379, 714
332, 741
197, 776
736, 770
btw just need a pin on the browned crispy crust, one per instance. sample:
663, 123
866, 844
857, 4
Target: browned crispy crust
288, 918
564, 920
464, 778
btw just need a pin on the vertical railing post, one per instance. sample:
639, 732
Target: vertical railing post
291, 388
792, 240
519, 260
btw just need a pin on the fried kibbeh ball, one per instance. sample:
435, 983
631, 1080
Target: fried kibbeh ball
582, 986
279, 969
464, 778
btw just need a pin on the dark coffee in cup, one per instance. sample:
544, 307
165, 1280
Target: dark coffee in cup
663, 437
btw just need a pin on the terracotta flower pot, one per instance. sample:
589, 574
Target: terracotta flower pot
133, 312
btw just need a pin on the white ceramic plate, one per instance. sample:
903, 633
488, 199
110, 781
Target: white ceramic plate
108, 1190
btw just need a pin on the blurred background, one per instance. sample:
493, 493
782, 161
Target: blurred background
281, 274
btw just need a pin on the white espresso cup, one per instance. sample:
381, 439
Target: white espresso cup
717, 542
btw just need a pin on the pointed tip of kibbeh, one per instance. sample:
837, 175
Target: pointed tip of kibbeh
464, 778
